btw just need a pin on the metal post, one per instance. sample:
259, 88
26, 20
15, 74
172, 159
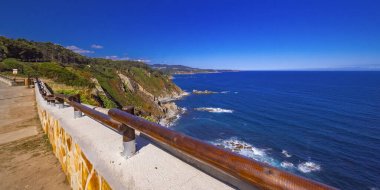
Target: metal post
77, 113
51, 100
46, 97
129, 137
60, 103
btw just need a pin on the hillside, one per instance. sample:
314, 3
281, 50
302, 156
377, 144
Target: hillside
181, 69
101, 82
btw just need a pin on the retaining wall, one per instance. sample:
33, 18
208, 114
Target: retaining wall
90, 155
7, 81
79, 171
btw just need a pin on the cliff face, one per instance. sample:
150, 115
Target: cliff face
147, 90
156, 92
102, 82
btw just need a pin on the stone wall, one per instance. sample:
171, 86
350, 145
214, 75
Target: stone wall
79, 170
7, 81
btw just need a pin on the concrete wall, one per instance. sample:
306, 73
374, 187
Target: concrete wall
90, 155
79, 170
7, 81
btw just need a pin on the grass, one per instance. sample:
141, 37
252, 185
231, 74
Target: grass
85, 93
148, 81
107, 103
49, 70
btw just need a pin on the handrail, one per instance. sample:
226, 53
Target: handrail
257, 174
98, 116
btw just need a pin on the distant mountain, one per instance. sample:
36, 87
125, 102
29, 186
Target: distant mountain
181, 69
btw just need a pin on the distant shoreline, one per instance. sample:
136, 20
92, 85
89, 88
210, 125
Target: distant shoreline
277, 71
206, 72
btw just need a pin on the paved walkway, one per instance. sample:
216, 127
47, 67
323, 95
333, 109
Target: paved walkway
26, 159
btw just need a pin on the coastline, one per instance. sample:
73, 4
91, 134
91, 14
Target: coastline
194, 73
172, 111
206, 72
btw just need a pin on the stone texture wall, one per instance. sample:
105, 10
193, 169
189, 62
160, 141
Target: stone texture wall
79, 171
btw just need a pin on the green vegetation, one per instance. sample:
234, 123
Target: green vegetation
85, 96
29, 51
49, 70
107, 103
70, 73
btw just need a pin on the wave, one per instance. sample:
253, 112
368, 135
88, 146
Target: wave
225, 92
214, 110
286, 154
263, 155
174, 120
307, 167
287, 165
246, 149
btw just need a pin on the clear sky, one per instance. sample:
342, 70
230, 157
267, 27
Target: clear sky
233, 34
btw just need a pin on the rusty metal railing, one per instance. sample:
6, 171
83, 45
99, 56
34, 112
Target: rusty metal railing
258, 175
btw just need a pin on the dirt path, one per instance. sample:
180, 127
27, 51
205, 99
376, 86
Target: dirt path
26, 159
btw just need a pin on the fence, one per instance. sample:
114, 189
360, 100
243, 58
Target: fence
256, 174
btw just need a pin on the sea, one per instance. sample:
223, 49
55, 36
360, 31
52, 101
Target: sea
321, 125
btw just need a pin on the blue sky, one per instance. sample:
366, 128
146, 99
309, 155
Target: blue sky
233, 34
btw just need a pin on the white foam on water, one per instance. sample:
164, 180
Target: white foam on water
286, 153
175, 119
236, 92
214, 110
246, 149
307, 167
225, 92
263, 155
287, 165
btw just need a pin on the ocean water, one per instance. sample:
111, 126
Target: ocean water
321, 125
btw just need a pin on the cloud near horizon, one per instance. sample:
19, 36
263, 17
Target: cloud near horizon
96, 46
142, 60
78, 50
115, 57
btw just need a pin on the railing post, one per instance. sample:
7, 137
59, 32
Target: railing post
27, 82
129, 137
61, 103
50, 100
77, 113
